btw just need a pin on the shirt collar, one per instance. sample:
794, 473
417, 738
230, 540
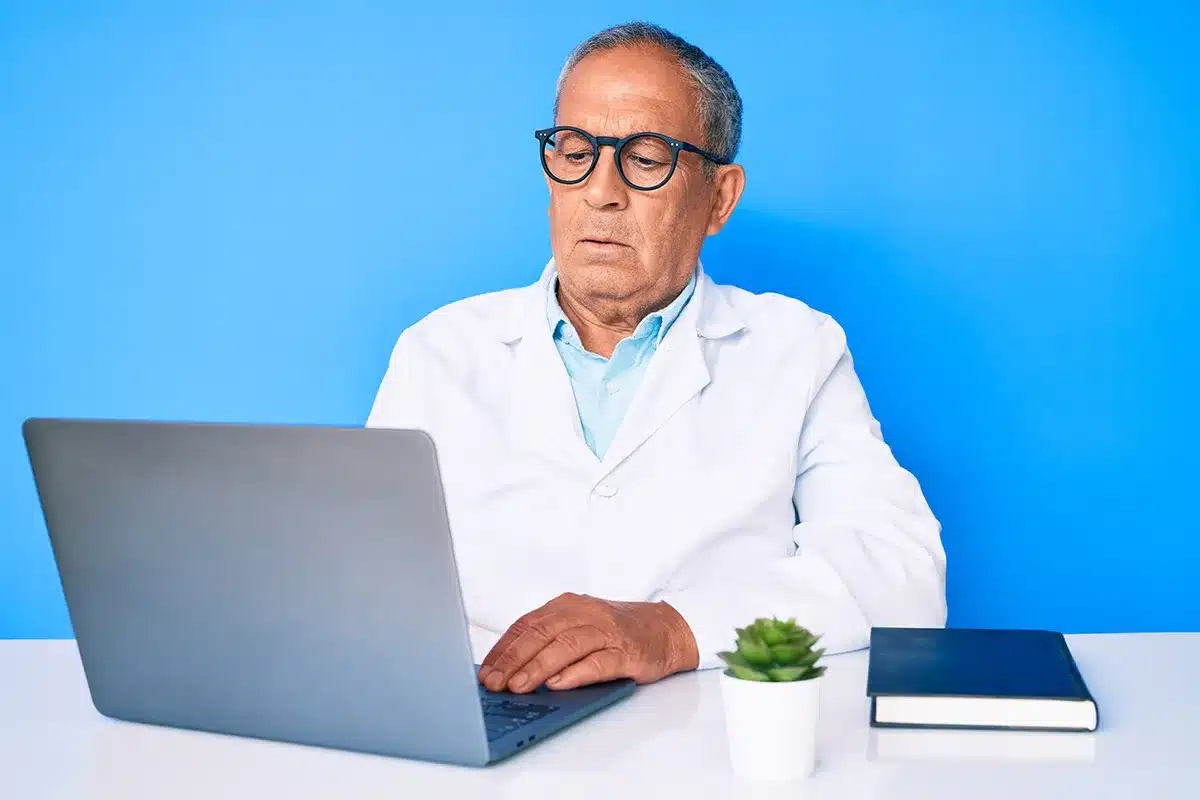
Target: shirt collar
655, 324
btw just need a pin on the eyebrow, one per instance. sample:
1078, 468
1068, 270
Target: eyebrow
614, 128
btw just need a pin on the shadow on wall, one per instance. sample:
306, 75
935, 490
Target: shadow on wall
922, 358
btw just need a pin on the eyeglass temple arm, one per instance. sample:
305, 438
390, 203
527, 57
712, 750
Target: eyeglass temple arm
710, 156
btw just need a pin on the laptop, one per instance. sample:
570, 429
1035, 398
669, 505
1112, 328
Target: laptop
290, 583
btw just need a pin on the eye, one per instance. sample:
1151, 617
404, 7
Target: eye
647, 163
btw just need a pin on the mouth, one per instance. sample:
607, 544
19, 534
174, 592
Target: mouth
603, 244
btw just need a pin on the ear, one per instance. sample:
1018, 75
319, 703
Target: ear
730, 182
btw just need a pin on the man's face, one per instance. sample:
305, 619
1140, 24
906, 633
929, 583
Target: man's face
614, 245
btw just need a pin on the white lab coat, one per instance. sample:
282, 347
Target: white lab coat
748, 477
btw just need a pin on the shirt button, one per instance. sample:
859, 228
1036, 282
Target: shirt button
612, 387
605, 490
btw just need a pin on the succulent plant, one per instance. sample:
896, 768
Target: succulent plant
774, 650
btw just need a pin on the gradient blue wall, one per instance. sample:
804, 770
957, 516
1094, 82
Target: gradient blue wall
226, 213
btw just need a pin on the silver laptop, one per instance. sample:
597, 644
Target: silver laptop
290, 583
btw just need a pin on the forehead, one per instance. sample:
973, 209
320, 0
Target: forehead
623, 91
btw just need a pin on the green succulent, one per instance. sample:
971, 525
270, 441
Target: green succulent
774, 650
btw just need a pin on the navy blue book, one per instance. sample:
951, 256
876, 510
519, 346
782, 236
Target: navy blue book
972, 678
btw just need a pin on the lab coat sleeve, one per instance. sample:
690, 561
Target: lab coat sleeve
868, 548
396, 401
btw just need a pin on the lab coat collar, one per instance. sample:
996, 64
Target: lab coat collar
547, 415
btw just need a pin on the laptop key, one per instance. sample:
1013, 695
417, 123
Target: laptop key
503, 716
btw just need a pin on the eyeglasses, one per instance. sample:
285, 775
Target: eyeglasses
645, 161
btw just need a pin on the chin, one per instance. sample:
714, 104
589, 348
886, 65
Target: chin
608, 280
607, 277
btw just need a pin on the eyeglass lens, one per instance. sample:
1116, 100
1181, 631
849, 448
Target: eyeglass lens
645, 160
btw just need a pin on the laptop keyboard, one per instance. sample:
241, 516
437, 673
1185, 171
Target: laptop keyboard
502, 716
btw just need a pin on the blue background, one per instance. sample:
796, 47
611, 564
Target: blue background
229, 212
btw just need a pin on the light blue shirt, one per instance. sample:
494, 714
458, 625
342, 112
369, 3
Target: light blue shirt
604, 387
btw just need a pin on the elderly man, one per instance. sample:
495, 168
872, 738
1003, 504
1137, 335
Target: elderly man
635, 458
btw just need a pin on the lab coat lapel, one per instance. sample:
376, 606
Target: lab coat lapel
677, 371
542, 404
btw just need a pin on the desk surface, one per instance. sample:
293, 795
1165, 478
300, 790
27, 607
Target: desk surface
666, 741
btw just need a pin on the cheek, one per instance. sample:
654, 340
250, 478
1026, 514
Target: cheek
561, 211
660, 222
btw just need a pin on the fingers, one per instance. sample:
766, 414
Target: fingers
500, 646
601, 665
564, 650
527, 627
527, 637
523, 642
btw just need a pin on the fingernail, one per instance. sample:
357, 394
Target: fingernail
554, 681
519, 680
495, 680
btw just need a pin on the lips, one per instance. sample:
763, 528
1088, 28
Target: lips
602, 241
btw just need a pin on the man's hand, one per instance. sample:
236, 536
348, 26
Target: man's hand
575, 640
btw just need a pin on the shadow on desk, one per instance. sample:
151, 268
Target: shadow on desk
604, 752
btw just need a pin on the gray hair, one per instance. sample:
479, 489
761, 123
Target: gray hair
719, 103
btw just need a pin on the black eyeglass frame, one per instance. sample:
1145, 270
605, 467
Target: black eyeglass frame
676, 145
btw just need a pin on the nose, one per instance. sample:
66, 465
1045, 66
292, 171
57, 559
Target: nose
604, 187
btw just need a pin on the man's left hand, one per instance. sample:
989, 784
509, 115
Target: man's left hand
575, 640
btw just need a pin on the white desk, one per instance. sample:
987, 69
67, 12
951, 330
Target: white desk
667, 741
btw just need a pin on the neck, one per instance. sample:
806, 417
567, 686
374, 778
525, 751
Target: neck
602, 328
598, 333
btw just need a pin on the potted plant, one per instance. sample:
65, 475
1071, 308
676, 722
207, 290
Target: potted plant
771, 689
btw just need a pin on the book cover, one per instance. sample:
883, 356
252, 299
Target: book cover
948, 666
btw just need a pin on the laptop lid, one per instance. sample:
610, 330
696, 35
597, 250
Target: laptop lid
281, 582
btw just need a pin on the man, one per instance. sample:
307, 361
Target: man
636, 459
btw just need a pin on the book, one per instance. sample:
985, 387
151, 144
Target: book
973, 678
944, 746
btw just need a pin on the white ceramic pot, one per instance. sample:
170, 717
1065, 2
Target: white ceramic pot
771, 727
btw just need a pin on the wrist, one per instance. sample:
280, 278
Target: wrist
684, 654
